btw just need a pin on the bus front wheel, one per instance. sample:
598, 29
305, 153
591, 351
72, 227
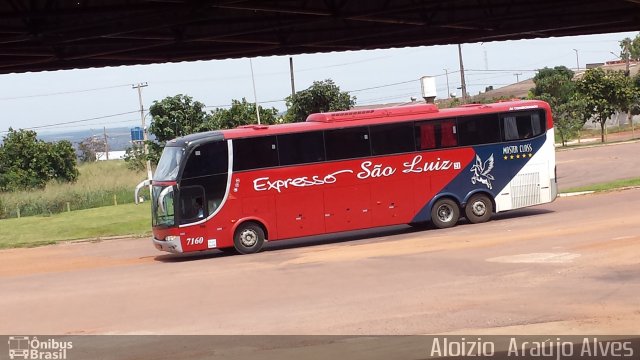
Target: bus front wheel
445, 213
478, 209
248, 238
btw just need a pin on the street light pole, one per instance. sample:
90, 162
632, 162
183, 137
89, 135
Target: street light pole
577, 61
463, 85
446, 73
255, 96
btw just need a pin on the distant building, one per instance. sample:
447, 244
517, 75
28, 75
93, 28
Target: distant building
113, 155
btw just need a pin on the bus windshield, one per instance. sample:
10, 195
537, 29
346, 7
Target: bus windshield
169, 163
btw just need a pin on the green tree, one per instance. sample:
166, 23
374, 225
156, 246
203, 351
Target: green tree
29, 163
630, 48
605, 93
241, 113
172, 117
556, 83
322, 96
89, 147
134, 158
556, 86
569, 118
62, 161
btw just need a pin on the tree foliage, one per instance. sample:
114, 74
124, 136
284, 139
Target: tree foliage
605, 93
555, 83
134, 158
630, 48
172, 117
322, 96
177, 116
569, 118
29, 163
89, 147
241, 113
556, 86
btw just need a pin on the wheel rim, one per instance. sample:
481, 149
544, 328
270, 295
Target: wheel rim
445, 213
479, 208
248, 237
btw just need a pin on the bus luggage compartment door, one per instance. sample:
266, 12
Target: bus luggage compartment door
300, 214
347, 208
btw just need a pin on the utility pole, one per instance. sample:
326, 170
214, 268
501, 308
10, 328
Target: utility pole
255, 97
463, 85
106, 143
577, 61
446, 73
517, 77
293, 83
145, 137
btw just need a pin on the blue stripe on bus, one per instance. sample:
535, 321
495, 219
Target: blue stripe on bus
503, 171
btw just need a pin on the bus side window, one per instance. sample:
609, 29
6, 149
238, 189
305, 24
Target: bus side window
392, 138
192, 203
427, 133
479, 129
436, 134
519, 126
255, 153
448, 136
347, 143
301, 148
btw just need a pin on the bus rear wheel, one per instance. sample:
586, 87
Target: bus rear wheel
445, 213
248, 238
478, 209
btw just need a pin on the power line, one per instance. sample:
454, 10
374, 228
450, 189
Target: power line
76, 121
62, 92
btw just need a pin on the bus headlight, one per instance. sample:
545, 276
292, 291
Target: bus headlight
172, 238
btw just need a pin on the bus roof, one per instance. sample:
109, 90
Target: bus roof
351, 118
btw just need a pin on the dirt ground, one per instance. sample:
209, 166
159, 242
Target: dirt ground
568, 267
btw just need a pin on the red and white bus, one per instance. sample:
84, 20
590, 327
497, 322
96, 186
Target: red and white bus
341, 171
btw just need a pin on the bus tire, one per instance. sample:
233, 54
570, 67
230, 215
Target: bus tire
248, 238
445, 213
478, 209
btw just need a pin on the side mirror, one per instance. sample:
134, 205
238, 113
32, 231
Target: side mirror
138, 187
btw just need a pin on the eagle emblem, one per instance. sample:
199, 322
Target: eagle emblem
481, 171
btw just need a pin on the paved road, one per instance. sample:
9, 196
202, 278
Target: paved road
593, 165
567, 267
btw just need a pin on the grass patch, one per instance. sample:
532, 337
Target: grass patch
606, 186
96, 186
82, 224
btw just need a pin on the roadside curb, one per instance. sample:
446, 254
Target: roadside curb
101, 238
578, 193
631, 141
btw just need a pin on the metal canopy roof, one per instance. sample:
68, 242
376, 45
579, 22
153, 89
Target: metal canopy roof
38, 35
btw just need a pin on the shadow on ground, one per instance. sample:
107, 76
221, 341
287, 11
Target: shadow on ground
375, 234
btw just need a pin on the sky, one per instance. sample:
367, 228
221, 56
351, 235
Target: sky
103, 97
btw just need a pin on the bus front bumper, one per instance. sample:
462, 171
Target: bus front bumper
172, 246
